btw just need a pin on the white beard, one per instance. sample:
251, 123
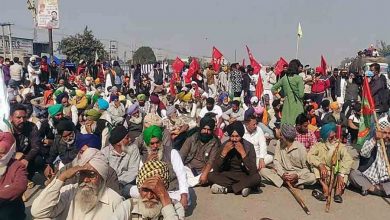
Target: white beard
87, 197
149, 212
159, 152
136, 120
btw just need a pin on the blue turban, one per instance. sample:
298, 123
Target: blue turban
133, 108
326, 129
102, 104
91, 140
222, 97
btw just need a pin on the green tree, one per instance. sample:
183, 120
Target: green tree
83, 46
384, 49
144, 55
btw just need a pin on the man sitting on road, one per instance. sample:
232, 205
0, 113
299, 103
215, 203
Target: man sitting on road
289, 162
304, 136
233, 114
154, 202
320, 157
199, 152
372, 176
234, 169
89, 199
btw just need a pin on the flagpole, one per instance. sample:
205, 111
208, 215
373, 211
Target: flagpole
296, 55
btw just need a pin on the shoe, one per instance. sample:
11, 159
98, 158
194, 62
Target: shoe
301, 187
217, 189
338, 199
318, 195
364, 192
245, 192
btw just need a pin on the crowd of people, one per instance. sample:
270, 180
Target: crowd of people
131, 145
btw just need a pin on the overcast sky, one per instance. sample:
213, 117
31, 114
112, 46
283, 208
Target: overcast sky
334, 28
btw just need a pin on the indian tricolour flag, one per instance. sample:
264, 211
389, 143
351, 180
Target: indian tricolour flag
368, 111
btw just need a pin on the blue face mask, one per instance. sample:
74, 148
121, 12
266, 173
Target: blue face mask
369, 73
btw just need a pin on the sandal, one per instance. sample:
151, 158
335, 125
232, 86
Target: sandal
338, 199
318, 195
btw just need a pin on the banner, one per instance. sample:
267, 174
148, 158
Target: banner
47, 14
21, 47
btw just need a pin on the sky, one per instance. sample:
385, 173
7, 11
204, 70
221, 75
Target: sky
333, 28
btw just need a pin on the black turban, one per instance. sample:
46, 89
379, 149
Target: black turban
207, 121
117, 134
65, 125
236, 126
61, 96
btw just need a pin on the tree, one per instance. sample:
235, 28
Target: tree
384, 50
83, 46
144, 55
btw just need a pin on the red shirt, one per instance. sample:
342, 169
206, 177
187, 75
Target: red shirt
14, 181
308, 139
320, 85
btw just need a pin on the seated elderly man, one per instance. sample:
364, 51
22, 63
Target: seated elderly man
233, 114
156, 150
372, 176
154, 202
320, 159
123, 156
89, 199
13, 180
234, 169
199, 152
289, 162
134, 119
90, 123
116, 110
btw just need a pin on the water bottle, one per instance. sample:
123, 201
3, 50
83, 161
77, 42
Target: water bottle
349, 139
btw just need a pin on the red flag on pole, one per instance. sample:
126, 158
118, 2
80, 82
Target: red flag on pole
259, 87
368, 110
194, 66
255, 65
177, 65
172, 89
216, 58
323, 65
279, 66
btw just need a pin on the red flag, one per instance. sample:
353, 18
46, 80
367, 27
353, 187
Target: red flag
172, 89
279, 66
368, 109
368, 106
323, 65
194, 67
178, 65
243, 62
259, 87
255, 65
216, 58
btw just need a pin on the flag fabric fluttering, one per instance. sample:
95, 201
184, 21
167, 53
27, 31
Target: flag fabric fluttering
243, 62
323, 65
178, 65
299, 32
194, 67
216, 58
368, 111
280, 65
255, 65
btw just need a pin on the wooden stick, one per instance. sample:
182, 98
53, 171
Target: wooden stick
332, 174
298, 198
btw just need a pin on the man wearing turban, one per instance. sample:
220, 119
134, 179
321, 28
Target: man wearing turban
320, 159
13, 179
116, 110
371, 177
144, 106
234, 169
156, 149
80, 100
69, 111
104, 124
134, 119
89, 199
289, 162
199, 152
154, 201
90, 123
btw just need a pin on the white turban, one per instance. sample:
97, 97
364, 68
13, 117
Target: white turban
96, 159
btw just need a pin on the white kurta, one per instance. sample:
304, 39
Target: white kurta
58, 201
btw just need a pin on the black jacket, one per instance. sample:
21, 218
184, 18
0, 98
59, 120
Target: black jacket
380, 93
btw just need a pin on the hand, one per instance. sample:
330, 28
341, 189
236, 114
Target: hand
69, 173
184, 200
152, 156
292, 177
203, 178
48, 172
261, 164
228, 147
323, 171
240, 149
285, 177
379, 134
340, 185
24, 162
156, 185
231, 120
18, 156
